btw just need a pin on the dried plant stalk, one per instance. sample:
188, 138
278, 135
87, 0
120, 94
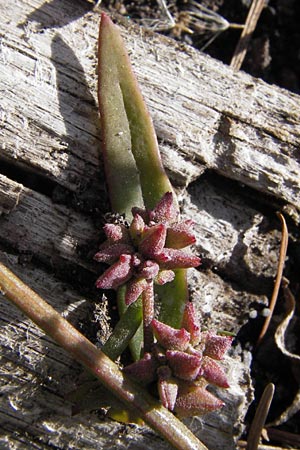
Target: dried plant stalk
242, 45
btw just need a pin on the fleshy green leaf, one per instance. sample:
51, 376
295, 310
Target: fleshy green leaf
134, 170
133, 166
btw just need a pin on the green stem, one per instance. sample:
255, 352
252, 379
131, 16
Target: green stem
59, 329
173, 299
129, 322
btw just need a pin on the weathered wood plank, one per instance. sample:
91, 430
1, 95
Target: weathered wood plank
228, 121
208, 118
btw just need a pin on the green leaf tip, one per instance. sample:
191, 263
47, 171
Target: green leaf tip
133, 166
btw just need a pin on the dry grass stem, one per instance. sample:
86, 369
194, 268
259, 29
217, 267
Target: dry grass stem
282, 255
260, 417
243, 43
284, 436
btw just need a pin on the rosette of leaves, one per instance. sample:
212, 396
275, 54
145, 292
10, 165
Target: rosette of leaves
183, 362
146, 253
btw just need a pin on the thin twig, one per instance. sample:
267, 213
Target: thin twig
59, 329
282, 255
243, 444
242, 45
260, 417
284, 436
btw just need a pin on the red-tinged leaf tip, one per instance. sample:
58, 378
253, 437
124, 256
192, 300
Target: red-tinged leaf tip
116, 275
148, 269
169, 337
171, 258
191, 323
154, 241
183, 365
194, 401
180, 235
144, 370
216, 346
167, 387
165, 211
111, 253
213, 373
134, 289
113, 232
136, 228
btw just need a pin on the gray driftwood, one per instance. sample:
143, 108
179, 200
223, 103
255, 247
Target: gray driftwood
221, 134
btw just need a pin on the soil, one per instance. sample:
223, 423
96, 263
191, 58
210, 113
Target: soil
273, 54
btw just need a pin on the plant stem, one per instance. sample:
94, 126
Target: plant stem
59, 329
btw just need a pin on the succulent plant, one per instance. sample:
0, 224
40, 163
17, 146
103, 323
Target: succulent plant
147, 251
183, 362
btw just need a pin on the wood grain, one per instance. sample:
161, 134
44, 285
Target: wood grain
222, 136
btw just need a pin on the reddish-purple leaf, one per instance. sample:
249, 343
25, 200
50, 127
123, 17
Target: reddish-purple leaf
111, 253
171, 258
115, 232
180, 235
166, 211
134, 289
169, 337
213, 373
117, 274
191, 323
136, 228
144, 370
167, 387
148, 269
195, 401
216, 346
183, 365
154, 241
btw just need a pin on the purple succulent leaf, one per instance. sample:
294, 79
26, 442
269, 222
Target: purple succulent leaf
137, 228
171, 258
180, 235
167, 387
164, 276
111, 253
216, 346
134, 289
184, 365
117, 274
170, 338
191, 323
144, 370
195, 400
154, 241
116, 233
213, 373
165, 211
148, 269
